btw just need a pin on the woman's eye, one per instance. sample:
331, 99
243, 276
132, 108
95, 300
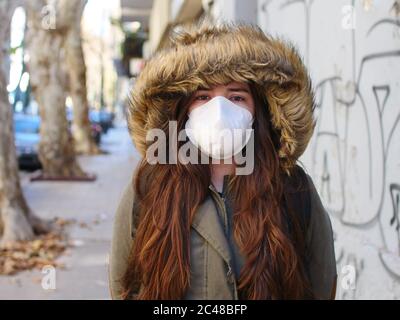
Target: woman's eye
237, 98
202, 97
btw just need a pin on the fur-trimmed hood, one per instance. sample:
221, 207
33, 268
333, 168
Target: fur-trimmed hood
209, 54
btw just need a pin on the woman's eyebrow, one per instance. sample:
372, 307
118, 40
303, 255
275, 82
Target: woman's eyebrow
239, 90
229, 89
203, 89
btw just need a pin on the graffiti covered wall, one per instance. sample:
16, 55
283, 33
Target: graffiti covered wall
352, 49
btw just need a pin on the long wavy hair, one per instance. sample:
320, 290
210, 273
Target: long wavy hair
168, 196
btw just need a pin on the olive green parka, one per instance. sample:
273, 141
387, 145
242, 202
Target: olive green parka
202, 56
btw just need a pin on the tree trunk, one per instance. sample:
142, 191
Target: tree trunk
17, 221
81, 127
46, 37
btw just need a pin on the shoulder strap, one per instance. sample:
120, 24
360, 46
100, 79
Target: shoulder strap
297, 197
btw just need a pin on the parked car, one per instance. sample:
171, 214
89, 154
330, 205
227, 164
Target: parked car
27, 138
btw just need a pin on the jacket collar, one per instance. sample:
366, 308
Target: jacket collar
207, 223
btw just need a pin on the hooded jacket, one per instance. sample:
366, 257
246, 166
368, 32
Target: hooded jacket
206, 55
203, 56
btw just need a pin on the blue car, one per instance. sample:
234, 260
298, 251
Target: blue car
27, 138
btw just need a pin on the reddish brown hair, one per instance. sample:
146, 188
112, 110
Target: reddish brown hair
169, 196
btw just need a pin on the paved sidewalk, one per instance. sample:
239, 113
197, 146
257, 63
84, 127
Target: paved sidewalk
93, 206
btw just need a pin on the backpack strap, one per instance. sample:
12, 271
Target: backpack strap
297, 197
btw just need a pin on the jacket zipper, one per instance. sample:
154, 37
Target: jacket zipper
222, 206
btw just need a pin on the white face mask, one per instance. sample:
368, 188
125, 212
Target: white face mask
219, 128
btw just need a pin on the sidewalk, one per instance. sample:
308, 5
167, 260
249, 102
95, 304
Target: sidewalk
93, 206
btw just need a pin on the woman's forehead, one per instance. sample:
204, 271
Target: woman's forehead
230, 85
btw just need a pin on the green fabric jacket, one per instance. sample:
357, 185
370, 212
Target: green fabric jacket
215, 256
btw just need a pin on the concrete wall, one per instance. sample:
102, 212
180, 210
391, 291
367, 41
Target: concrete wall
352, 49
160, 17
235, 10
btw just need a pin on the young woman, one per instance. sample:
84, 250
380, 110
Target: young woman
200, 230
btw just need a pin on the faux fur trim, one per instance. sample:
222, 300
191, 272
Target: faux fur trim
209, 54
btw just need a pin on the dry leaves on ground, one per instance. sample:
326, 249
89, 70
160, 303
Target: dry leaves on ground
43, 250
35, 254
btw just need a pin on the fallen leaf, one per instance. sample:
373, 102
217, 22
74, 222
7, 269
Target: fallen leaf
35, 254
